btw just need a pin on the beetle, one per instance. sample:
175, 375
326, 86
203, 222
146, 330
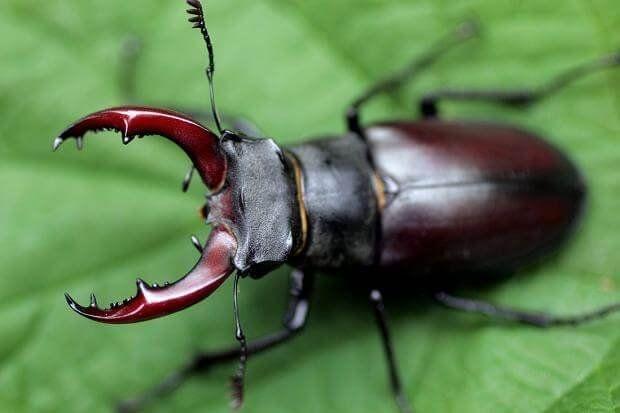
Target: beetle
421, 197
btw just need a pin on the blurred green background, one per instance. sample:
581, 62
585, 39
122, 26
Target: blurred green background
94, 221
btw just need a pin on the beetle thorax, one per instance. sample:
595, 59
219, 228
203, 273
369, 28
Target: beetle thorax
258, 202
340, 202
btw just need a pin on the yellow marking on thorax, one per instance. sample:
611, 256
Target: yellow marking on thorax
379, 188
303, 213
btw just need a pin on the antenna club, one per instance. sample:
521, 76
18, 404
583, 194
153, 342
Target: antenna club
197, 17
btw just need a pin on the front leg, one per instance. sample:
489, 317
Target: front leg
294, 321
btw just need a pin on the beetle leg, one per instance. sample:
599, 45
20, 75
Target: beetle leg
532, 318
517, 98
463, 32
294, 321
401, 399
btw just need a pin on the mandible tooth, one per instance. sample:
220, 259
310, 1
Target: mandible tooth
57, 142
142, 286
93, 301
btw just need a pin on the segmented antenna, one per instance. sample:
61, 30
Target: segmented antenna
197, 17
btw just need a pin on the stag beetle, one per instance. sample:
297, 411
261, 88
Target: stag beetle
419, 197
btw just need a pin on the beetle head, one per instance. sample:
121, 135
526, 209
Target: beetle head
252, 206
215, 264
252, 201
258, 202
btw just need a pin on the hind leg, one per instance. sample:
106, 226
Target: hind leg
428, 105
532, 318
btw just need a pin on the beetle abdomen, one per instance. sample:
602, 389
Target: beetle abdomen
471, 196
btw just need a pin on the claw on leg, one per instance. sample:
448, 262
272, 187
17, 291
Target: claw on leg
200, 144
213, 268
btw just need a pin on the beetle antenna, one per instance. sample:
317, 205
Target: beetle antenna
239, 377
197, 17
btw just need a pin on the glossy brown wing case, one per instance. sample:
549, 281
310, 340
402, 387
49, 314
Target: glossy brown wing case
471, 196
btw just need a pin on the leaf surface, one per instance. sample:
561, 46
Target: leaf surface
94, 221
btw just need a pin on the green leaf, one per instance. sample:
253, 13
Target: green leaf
96, 220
